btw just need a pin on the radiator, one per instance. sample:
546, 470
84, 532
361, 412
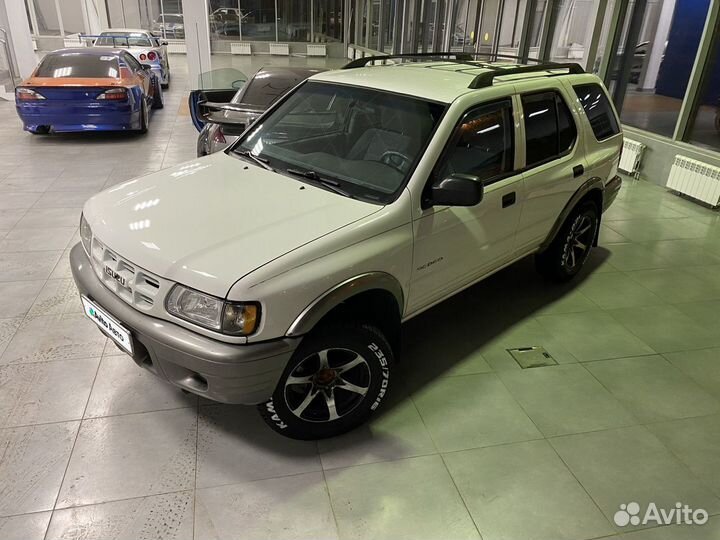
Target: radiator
280, 49
176, 47
631, 156
695, 179
316, 49
237, 47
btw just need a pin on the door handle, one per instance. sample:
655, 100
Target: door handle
578, 170
508, 199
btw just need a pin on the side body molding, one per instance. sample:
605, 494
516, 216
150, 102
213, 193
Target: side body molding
587, 187
331, 298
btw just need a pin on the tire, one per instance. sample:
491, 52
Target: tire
571, 247
158, 101
143, 117
300, 410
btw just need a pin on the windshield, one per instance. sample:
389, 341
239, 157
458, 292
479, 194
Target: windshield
366, 142
123, 39
78, 65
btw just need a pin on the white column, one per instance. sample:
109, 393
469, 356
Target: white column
15, 21
658, 46
197, 39
93, 14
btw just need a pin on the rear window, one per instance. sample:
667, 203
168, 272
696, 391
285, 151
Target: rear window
78, 65
598, 110
549, 128
123, 39
264, 91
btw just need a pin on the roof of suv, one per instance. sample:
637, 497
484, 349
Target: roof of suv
440, 80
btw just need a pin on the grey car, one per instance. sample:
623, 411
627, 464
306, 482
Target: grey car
224, 122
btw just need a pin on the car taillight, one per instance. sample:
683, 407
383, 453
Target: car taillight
218, 137
114, 94
28, 94
151, 55
143, 57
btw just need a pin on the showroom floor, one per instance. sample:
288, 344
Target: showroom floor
471, 446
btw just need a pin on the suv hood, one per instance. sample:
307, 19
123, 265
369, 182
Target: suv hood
209, 222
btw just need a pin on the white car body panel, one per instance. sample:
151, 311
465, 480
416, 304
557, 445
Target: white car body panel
161, 51
209, 222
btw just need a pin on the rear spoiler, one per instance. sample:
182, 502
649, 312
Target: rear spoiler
88, 40
215, 112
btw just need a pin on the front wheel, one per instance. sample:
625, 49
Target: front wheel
571, 247
144, 117
334, 381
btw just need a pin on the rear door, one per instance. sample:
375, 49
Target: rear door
216, 86
554, 161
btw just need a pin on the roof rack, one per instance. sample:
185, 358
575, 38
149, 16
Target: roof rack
486, 79
362, 62
480, 81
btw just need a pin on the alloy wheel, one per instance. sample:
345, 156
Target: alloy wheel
579, 241
327, 385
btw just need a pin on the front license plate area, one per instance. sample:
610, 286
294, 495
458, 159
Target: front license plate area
113, 329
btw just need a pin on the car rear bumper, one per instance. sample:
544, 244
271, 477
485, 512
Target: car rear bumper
79, 118
612, 188
229, 373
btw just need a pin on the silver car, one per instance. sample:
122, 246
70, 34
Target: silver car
224, 122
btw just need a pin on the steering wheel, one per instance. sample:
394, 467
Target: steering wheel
396, 160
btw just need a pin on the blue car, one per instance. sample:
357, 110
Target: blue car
93, 89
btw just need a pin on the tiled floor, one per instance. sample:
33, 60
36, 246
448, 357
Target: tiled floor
470, 445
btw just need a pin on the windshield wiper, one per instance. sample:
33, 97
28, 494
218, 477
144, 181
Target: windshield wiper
332, 185
263, 162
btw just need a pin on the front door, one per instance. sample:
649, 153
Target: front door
455, 246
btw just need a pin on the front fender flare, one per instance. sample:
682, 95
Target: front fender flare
331, 298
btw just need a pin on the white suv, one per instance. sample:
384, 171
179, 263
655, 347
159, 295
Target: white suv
279, 272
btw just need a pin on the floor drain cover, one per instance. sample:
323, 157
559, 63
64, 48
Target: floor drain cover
530, 357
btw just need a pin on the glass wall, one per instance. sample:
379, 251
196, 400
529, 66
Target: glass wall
704, 128
651, 69
573, 30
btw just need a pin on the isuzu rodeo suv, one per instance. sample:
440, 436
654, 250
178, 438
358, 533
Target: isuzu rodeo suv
278, 273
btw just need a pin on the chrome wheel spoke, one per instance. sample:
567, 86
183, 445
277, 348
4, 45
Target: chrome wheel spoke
584, 229
305, 402
329, 396
323, 356
572, 257
350, 387
299, 380
351, 364
580, 245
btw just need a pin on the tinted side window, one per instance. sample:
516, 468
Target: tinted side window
132, 62
549, 128
598, 110
482, 144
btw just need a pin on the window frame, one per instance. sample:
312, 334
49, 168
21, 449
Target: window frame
615, 117
558, 94
433, 177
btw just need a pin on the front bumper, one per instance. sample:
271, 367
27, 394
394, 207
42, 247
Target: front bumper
612, 188
224, 372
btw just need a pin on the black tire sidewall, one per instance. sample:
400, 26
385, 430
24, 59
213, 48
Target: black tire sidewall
363, 339
590, 210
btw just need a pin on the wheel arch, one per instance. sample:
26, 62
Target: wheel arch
374, 297
592, 190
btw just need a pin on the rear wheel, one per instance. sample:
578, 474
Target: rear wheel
158, 98
571, 247
332, 384
144, 117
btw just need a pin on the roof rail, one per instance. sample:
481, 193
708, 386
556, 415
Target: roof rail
486, 79
362, 62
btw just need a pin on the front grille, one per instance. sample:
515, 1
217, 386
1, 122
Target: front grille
139, 288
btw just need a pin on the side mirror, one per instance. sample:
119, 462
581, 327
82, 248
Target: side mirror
457, 190
147, 67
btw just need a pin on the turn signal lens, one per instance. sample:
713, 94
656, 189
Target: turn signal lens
114, 94
28, 94
85, 234
240, 319
151, 55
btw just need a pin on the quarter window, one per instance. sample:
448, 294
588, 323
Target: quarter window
549, 128
598, 110
482, 144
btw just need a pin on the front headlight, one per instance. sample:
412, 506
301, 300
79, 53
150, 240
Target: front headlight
236, 319
85, 234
